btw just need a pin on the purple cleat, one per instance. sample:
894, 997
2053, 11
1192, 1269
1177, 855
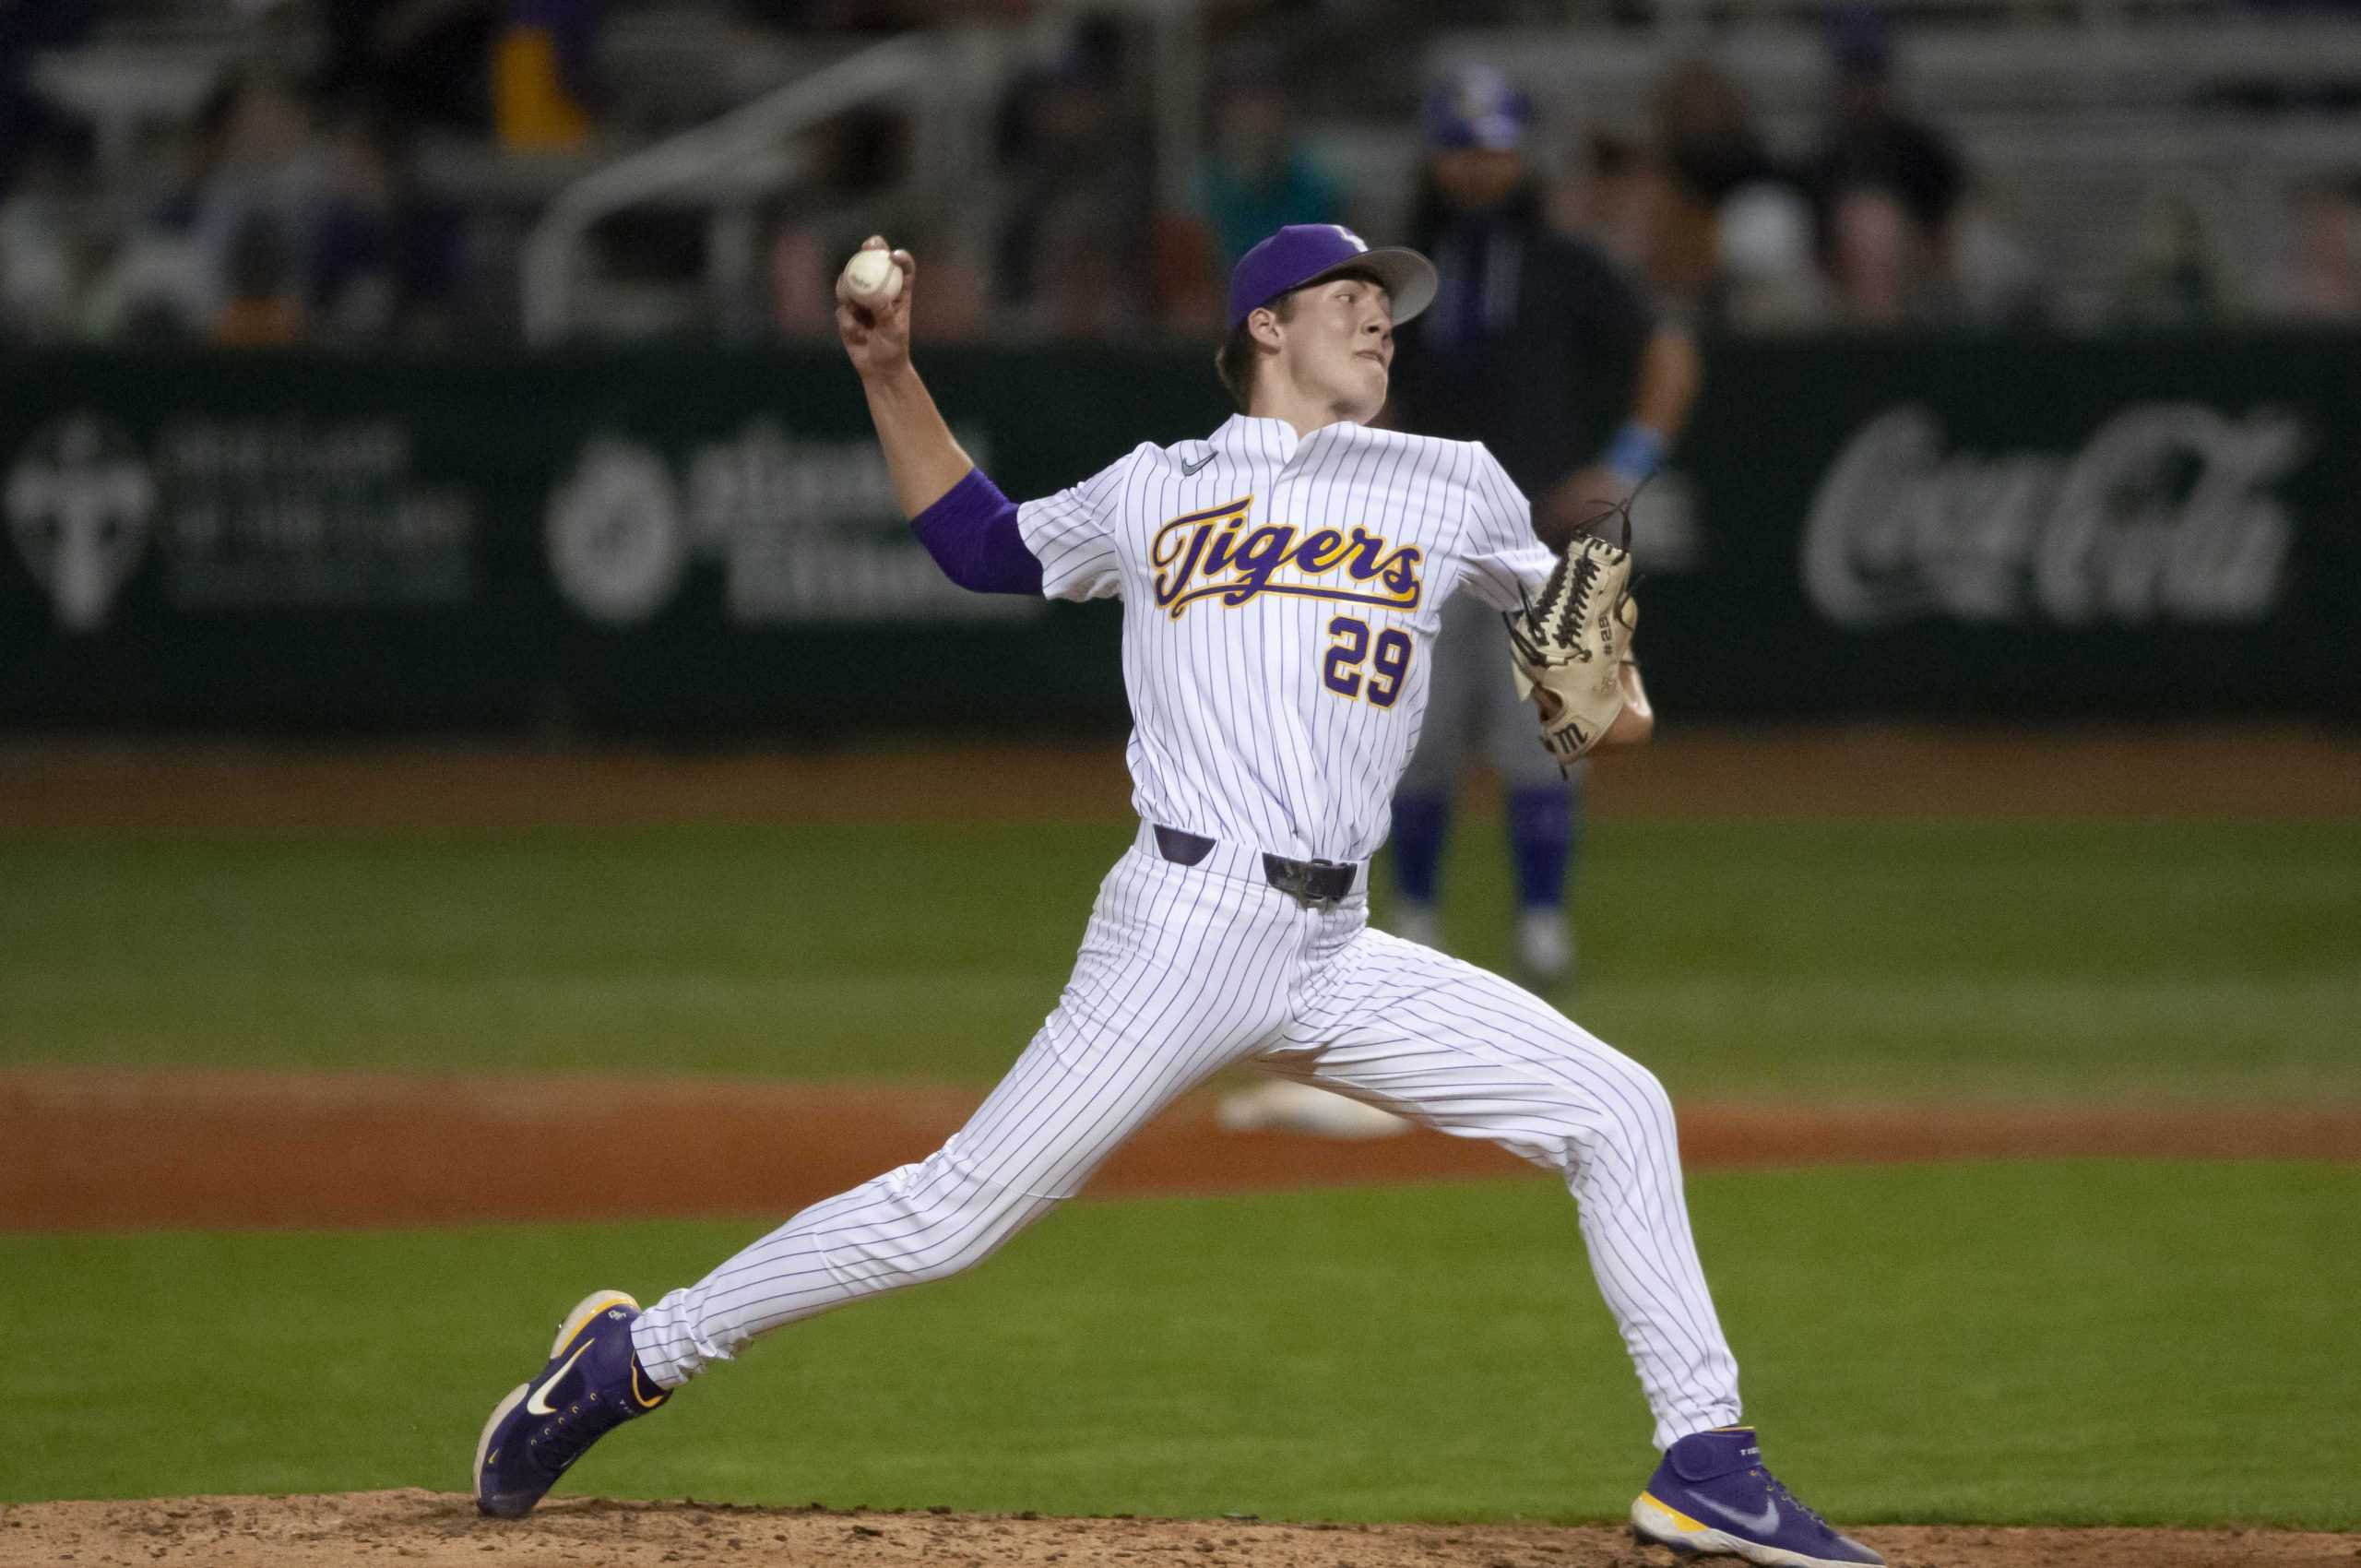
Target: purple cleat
592, 1385
1712, 1496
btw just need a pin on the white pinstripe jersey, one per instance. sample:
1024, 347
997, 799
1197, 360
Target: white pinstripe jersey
1279, 596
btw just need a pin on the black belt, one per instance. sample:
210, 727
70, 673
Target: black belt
1307, 881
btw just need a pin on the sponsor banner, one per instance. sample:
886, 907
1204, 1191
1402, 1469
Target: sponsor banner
2169, 512
804, 531
648, 541
628, 541
241, 514
1996, 528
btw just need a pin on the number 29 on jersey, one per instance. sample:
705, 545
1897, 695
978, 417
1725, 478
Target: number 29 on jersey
1358, 665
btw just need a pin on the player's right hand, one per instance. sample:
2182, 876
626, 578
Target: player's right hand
878, 340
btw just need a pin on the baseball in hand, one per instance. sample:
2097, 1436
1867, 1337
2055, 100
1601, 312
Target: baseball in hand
872, 278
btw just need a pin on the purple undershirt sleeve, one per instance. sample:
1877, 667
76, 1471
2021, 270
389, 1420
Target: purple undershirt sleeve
971, 532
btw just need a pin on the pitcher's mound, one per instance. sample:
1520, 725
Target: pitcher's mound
424, 1530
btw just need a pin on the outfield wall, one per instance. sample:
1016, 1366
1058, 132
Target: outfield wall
654, 541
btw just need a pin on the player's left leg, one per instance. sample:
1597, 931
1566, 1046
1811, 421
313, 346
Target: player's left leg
1462, 1051
1468, 1053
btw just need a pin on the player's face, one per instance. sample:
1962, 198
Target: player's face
1339, 346
1473, 178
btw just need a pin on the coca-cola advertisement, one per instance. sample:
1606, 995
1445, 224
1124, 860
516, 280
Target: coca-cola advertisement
2166, 513
1965, 528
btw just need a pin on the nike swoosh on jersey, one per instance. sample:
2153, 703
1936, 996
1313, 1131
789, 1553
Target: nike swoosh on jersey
1192, 468
536, 1404
1765, 1523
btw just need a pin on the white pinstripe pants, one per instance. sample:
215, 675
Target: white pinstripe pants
1185, 970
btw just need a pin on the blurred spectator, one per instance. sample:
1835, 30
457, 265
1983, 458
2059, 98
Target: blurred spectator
158, 287
1612, 197
1259, 177
259, 209
1870, 144
1707, 133
31, 124
386, 260
1876, 258
867, 16
773, 41
2177, 279
263, 307
1184, 291
2322, 281
425, 60
1708, 146
803, 268
951, 302
1087, 274
544, 77
1082, 175
1994, 279
523, 70
37, 254
1766, 275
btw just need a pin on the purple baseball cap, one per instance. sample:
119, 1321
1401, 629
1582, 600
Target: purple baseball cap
1305, 252
1475, 106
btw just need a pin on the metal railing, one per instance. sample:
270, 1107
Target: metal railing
712, 162
946, 75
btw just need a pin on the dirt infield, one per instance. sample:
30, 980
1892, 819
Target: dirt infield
229, 1148
435, 1530
1788, 771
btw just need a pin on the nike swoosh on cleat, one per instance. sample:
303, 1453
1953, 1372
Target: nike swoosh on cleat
535, 1405
1765, 1523
1192, 468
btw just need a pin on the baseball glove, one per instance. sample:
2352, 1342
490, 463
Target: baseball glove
1567, 648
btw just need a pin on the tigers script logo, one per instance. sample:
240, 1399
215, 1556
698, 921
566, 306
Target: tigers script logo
1212, 552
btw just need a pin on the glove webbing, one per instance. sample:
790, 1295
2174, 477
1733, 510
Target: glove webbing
1567, 594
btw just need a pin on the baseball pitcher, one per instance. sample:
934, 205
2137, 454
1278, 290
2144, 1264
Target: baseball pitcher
1282, 582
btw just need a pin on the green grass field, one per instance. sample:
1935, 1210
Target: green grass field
1863, 960
2148, 1343
2090, 1342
